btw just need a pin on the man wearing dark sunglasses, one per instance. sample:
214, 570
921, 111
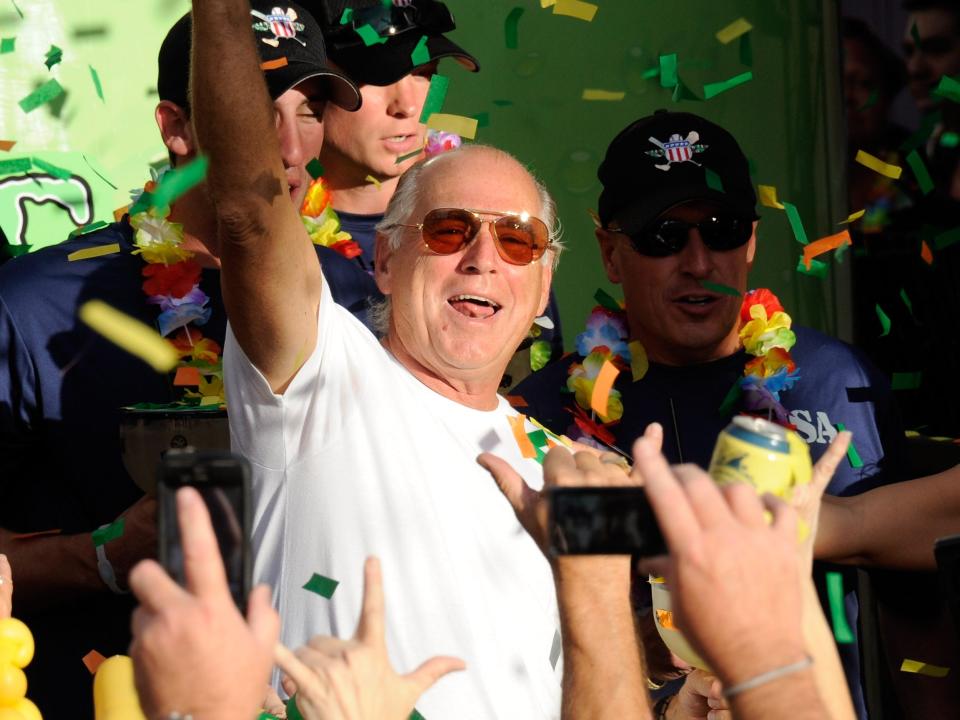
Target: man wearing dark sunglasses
678, 233
366, 447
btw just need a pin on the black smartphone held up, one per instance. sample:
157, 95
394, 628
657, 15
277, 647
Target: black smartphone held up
603, 521
223, 480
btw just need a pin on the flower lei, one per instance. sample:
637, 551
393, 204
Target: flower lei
172, 281
764, 332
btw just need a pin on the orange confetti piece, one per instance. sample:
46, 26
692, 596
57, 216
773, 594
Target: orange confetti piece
274, 64
519, 432
665, 619
516, 401
7, 145
926, 253
93, 660
602, 387
120, 212
187, 375
823, 245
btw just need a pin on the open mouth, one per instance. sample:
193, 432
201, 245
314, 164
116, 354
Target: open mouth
474, 306
697, 300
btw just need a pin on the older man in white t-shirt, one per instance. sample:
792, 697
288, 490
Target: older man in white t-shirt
361, 446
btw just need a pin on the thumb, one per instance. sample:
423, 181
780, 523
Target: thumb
262, 618
432, 670
826, 466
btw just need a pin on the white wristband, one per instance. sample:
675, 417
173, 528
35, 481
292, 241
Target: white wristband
768, 676
105, 569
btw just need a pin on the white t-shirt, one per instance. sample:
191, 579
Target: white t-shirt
359, 458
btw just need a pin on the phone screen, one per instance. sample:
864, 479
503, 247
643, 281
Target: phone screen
603, 521
222, 483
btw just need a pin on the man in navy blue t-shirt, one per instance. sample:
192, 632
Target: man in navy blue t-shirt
62, 385
678, 233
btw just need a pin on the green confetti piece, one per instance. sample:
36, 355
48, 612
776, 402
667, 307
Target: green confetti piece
906, 380
503, 103
950, 139
17, 8
731, 399
90, 31
946, 239
104, 535
841, 628
746, 50
651, 73
818, 269
884, 320
711, 90
95, 76
420, 54
604, 299
416, 715
315, 169
436, 95
404, 158
539, 354
8, 45
267, 716
178, 181
538, 437
321, 585
482, 118
369, 35
915, 34
796, 224
20, 165
920, 172
54, 56
97, 171
870, 101
906, 301
293, 712
840, 252
668, 71
347, 15
853, 457
720, 288
57, 172
50, 90
510, 30
948, 88
713, 180
87, 229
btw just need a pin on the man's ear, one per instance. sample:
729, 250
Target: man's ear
176, 129
383, 263
609, 254
752, 245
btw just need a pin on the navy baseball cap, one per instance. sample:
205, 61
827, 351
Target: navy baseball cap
665, 159
288, 38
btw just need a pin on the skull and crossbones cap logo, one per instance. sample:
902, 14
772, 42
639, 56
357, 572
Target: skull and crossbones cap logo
668, 158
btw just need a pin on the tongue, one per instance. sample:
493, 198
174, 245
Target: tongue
472, 309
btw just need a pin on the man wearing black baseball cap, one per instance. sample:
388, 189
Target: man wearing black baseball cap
677, 229
62, 386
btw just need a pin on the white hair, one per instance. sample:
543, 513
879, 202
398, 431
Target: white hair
408, 194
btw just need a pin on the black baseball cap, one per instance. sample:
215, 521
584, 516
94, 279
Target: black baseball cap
668, 158
283, 33
401, 24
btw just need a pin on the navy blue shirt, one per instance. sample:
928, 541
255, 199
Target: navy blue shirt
61, 390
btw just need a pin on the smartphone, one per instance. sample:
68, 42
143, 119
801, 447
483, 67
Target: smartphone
947, 553
223, 481
603, 521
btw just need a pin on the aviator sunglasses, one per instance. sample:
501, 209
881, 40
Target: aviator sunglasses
662, 237
520, 239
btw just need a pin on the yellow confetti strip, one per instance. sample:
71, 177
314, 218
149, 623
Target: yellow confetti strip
596, 94
639, 362
734, 30
130, 334
877, 165
768, 196
575, 8
593, 216
853, 217
547, 3
458, 124
372, 179
94, 252
922, 668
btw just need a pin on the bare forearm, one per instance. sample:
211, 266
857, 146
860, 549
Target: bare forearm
51, 569
793, 696
603, 673
828, 671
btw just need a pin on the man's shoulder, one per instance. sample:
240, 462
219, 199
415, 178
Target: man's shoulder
819, 354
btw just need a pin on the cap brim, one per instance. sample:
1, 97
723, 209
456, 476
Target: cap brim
633, 218
341, 89
386, 63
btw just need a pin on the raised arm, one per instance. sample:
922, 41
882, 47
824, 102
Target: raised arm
270, 275
891, 526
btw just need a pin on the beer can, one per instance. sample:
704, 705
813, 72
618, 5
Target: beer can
771, 458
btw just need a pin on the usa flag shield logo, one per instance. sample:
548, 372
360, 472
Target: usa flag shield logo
677, 149
282, 24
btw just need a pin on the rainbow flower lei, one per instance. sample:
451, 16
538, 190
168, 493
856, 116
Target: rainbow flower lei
323, 223
172, 281
764, 331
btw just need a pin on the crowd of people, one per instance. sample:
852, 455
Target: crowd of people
365, 390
